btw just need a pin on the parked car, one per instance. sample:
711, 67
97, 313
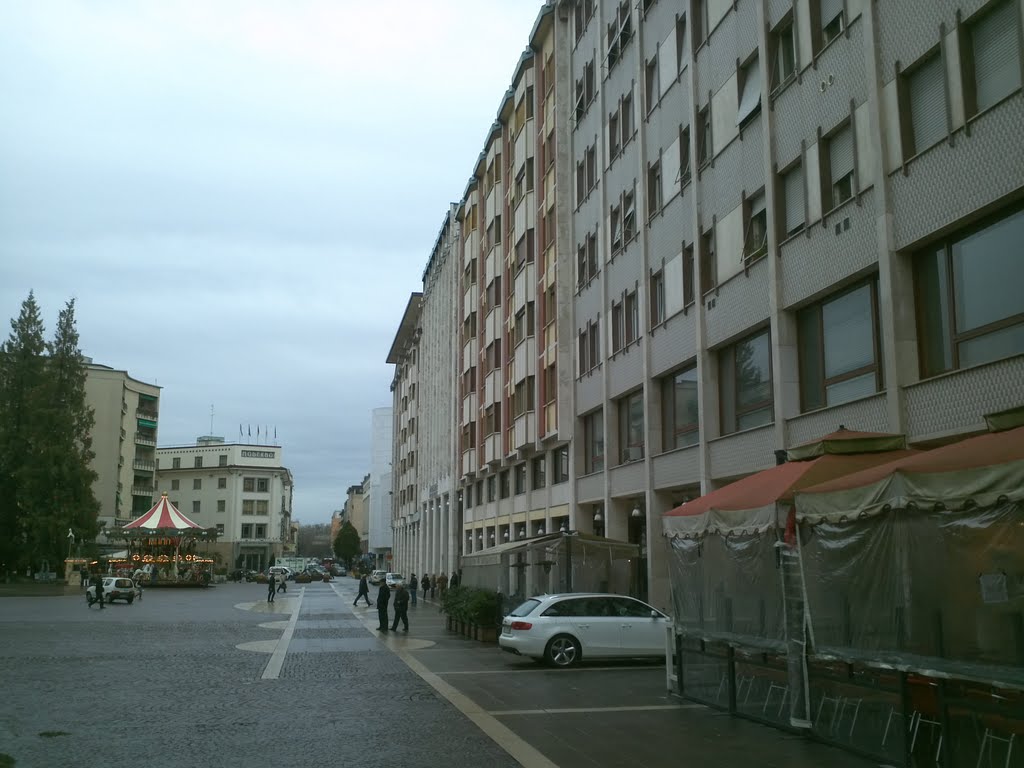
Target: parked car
114, 588
377, 577
394, 580
243, 574
563, 629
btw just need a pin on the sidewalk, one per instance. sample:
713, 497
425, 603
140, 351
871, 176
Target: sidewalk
598, 715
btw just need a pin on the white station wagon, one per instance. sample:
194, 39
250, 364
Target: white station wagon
563, 629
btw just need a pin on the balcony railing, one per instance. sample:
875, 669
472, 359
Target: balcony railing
144, 465
143, 439
143, 490
143, 413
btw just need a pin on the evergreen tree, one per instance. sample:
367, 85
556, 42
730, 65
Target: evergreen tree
346, 543
58, 481
22, 369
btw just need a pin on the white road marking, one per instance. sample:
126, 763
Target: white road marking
273, 669
570, 711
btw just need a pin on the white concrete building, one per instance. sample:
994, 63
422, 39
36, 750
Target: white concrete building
242, 490
378, 499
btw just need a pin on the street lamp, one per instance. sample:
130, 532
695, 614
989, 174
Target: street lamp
522, 532
540, 530
505, 536
492, 538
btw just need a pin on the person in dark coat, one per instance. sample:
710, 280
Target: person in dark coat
453, 582
271, 587
401, 608
83, 577
425, 583
364, 591
383, 597
413, 585
97, 581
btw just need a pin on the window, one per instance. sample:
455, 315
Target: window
749, 82
196, 506
704, 136
632, 317
175, 485
657, 298
176, 462
699, 15
924, 90
222, 505
248, 507
745, 381
617, 326
593, 439
684, 156
262, 507
680, 409
551, 383
755, 242
793, 199
492, 488
651, 92
246, 530
708, 265
654, 201
503, 481
586, 257
688, 281
222, 460
520, 478
626, 118
260, 529
614, 135
584, 13
628, 216
993, 58
838, 349
248, 484
970, 309
631, 427
595, 352
220, 527
591, 164
560, 473
198, 462
469, 496
840, 159
615, 226
832, 21
539, 472
529, 102
682, 51
783, 43
197, 484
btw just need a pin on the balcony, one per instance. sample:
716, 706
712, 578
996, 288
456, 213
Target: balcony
144, 439
143, 464
143, 490
146, 414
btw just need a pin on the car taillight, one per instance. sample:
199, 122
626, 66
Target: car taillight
522, 625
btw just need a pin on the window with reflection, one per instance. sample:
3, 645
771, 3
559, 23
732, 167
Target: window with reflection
745, 382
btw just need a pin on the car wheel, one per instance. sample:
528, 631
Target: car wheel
563, 651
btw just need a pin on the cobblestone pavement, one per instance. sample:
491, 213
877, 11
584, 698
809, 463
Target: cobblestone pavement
178, 680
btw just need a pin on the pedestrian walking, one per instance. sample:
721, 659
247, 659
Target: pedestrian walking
383, 597
413, 585
364, 591
401, 608
433, 585
271, 586
442, 584
97, 581
425, 583
83, 577
282, 583
453, 582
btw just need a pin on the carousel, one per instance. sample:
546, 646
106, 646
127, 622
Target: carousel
163, 548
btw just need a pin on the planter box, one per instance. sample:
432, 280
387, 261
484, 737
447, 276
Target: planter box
488, 634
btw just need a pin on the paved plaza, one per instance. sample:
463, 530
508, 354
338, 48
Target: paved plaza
220, 677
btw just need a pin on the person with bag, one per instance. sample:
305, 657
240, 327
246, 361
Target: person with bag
383, 597
401, 608
413, 584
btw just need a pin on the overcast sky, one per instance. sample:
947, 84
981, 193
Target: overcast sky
241, 195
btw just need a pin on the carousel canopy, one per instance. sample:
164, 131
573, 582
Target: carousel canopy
980, 470
750, 504
162, 517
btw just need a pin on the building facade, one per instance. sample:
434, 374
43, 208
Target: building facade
243, 491
124, 439
769, 219
377, 491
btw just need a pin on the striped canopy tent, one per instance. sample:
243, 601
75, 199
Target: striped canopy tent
162, 518
164, 529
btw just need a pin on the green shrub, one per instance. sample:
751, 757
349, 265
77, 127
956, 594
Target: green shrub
472, 605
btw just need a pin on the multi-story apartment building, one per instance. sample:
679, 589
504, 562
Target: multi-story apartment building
425, 507
243, 491
124, 440
804, 216
516, 415
779, 217
355, 511
377, 492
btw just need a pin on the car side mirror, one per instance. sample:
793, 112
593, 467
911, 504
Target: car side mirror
655, 615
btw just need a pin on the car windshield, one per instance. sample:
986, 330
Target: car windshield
396, 576
526, 608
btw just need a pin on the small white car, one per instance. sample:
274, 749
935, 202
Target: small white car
282, 570
394, 580
563, 629
114, 588
377, 578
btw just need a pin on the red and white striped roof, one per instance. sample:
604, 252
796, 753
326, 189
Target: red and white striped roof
162, 516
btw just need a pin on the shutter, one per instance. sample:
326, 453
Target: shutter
928, 103
829, 10
667, 66
996, 57
750, 99
840, 153
670, 172
793, 189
